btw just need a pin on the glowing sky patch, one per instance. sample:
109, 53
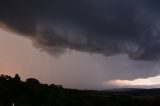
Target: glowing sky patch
137, 82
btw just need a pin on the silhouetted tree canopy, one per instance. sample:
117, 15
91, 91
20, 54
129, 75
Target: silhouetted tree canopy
17, 78
32, 81
33, 93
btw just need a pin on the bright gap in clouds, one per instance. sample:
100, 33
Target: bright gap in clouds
152, 81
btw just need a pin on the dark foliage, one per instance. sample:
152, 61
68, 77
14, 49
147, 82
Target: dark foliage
32, 93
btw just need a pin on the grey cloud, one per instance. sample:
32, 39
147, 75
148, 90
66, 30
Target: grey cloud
107, 27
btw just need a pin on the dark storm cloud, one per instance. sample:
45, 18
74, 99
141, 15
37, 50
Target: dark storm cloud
107, 27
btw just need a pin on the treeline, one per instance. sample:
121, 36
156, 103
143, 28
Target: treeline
15, 92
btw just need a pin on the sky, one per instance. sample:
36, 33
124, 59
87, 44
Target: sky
83, 44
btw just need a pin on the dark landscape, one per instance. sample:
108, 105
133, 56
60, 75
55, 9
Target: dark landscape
33, 93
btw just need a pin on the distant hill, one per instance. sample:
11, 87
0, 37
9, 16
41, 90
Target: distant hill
33, 93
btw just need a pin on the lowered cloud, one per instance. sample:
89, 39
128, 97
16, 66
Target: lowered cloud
107, 27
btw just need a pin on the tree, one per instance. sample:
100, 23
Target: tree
32, 81
17, 78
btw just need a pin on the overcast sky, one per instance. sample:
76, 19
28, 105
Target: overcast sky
84, 44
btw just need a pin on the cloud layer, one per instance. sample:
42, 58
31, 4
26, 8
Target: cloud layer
107, 27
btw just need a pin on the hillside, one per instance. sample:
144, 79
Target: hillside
33, 93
